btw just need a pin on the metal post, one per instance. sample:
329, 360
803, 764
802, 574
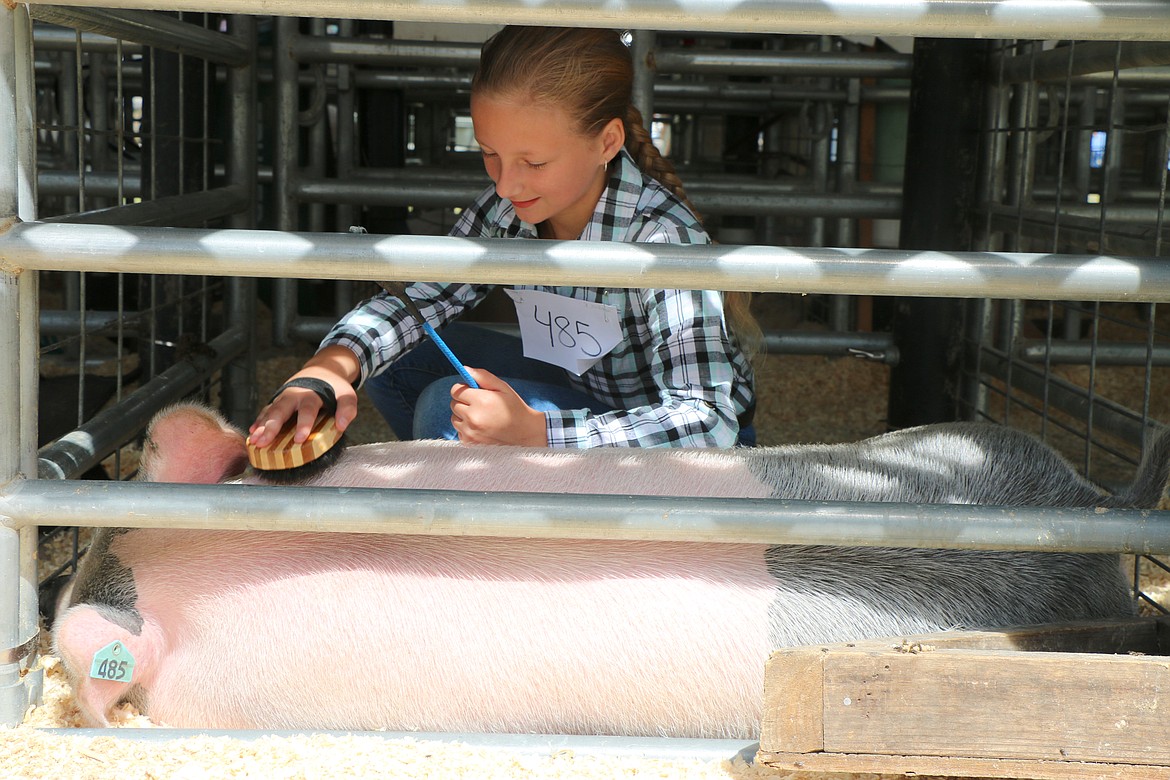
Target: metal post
938, 196
848, 140
284, 291
343, 294
645, 70
239, 383
19, 686
822, 119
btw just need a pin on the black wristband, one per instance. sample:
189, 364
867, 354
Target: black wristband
323, 389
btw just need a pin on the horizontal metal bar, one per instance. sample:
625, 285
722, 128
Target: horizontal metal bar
1103, 353
387, 191
784, 63
97, 183
90, 503
82, 449
68, 323
872, 346
549, 744
276, 254
855, 344
1131, 238
1034, 19
49, 38
193, 208
368, 51
1086, 58
147, 28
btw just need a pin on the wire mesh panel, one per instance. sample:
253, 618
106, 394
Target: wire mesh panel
129, 132
1075, 162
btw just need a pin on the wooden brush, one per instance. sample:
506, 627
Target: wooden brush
285, 461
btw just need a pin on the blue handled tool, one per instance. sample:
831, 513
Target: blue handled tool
398, 290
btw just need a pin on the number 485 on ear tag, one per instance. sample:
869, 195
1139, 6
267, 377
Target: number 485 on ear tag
113, 662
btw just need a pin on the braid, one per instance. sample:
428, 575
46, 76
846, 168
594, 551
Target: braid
641, 147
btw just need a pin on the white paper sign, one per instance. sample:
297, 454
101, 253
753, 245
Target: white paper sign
564, 331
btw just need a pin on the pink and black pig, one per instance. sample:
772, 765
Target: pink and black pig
278, 630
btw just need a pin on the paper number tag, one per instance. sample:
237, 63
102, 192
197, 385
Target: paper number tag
113, 662
564, 331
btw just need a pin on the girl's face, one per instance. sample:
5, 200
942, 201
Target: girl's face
538, 160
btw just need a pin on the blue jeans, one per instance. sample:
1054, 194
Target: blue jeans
414, 393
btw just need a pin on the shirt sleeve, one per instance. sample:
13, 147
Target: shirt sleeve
691, 378
380, 329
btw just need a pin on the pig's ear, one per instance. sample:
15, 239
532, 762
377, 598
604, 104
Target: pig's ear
193, 444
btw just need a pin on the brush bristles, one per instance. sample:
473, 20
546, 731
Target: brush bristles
305, 472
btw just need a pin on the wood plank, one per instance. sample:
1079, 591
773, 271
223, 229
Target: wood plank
957, 767
1127, 635
997, 704
793, 718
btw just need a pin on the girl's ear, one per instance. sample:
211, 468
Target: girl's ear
613, 138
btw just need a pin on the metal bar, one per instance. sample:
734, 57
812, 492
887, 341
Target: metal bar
193, 208
645, 73
78, 451
785, 63
68, 323
1123, 238
388, 191
19, 684
285, 170
366, 51
280, 254
49, 38
149, 29
1033, 19
1110, 353
530, 744
11, 695
57, 182
562, 516
1054, 65
239, 376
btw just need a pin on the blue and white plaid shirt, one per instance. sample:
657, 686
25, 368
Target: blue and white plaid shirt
677, 378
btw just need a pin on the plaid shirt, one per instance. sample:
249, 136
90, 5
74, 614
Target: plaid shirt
677, 378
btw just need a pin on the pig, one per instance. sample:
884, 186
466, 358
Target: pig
271, 630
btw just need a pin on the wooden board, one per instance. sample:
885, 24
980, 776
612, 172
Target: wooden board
283, 453
937, 767
1090, 692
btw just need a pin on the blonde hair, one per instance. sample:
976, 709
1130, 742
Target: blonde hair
590, 74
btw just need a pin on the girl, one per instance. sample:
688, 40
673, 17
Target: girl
570, 159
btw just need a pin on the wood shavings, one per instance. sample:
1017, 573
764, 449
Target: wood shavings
913, 648
29, 754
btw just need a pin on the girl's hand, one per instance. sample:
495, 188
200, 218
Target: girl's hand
329, 365
495, 414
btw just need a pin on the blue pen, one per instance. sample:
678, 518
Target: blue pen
398, 290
